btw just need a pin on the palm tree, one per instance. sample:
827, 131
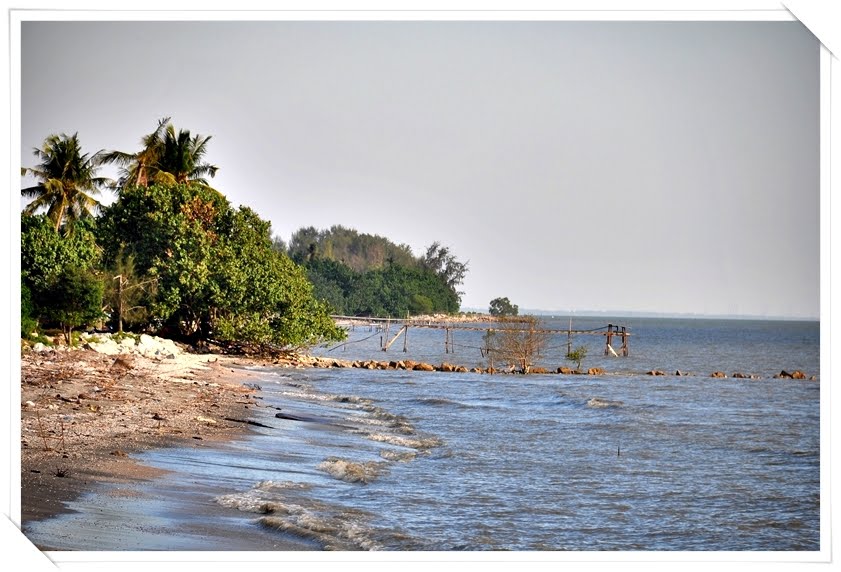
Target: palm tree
68, 181
182, 157
167, 156
141, 167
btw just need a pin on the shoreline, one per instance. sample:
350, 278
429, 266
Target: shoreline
85, 414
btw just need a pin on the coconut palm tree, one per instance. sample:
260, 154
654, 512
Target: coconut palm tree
167, 156
67, 181
182, 157
140, 168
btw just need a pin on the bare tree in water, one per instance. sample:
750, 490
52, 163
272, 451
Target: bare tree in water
517, 343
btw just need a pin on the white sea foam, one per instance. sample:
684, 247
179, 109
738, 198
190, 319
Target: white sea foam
419, 443
598, 402
350, 471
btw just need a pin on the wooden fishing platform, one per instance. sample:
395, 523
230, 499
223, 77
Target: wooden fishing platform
385, 324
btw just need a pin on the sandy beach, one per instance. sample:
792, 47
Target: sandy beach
84, 414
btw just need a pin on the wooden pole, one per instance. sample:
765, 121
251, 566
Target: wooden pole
406, 340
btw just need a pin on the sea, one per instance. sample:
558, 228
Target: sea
392, 460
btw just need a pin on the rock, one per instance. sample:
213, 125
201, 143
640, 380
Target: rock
783, 375
409, 364
476, 370
740, 375
538, 370
39, 347
719, 374
461, 369
127, 342
681, 373
206, 420
396, 365
798, 375
29, 404
448, 367
490, 370
595, 371
424, 367
654, 372
565, 370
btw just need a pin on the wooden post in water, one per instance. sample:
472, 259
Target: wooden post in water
446, 340
609, 338
625, 351
406, 339
569, 337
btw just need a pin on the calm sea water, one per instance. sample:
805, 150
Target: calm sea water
394, 460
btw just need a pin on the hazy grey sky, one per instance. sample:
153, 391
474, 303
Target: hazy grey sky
656, 166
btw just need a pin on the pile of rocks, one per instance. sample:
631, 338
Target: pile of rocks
110, 344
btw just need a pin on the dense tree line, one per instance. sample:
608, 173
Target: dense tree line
368, 275
170, 255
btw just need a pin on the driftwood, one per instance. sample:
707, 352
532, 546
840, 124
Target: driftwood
248, 422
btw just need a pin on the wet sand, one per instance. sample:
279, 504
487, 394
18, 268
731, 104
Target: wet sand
84, 415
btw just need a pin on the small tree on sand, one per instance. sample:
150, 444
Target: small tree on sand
76, 300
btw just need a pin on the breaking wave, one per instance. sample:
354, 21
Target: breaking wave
350, 471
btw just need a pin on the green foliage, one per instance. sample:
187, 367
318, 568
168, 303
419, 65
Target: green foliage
76, 300
28, 322
167, 157
362, 274
577, 355
502, 307
216, 271
67, 182
359, 251
442, 262
46, 256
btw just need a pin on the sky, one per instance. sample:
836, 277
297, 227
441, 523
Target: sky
577, 166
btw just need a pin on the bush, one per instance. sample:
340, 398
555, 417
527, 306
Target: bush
28, 323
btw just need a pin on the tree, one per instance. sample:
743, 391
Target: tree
502, 307
76, 300
440, 260
67, 181
167, 157
577, 355
217, 274
518, 343
45, 255
140, 168
126, 292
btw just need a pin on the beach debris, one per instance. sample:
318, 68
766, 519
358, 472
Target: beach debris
207, 420
248, 422
29, 404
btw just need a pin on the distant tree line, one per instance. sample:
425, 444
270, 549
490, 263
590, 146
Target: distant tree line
170, 255
368, 275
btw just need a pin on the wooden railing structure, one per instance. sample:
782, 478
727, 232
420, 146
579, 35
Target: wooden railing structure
384, 325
